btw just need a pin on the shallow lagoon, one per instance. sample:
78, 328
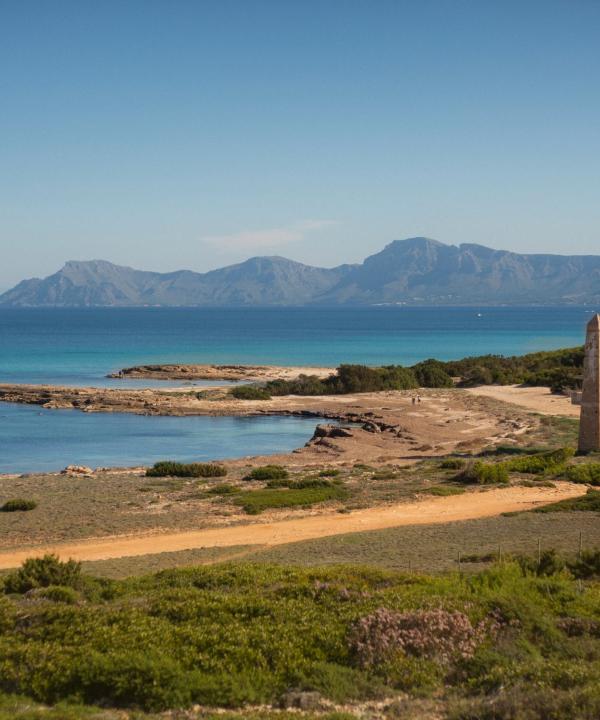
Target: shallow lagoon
35, 439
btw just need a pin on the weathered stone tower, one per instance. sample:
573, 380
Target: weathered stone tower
589, 428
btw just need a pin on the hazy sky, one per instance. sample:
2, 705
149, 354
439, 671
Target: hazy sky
169, 134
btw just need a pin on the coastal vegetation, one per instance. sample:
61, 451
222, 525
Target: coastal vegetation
299, 494
238, 634
168, 468
559, 369
268, 472
18, 505
588, 473
249, 392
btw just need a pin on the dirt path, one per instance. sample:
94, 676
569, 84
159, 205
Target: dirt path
427, 511
539, 399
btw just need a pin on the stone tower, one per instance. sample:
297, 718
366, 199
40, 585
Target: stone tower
589, 428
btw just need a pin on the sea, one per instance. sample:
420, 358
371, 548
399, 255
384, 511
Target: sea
80, 347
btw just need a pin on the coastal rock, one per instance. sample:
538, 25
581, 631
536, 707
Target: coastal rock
371, 427
77, 470
331, 431
302, 700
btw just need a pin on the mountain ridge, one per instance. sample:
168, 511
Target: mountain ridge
412, 271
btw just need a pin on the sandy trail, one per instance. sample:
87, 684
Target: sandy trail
424, 512
539, 399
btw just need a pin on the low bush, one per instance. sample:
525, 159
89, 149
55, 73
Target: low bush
435, 634
452, 464
588, 473
301, 484
307, 385
483, 473
236, 634
255, 501
18, 505
548, 563
168, 468
249, 392
431, 374
330, 472
587, 565
527, 702
268, 472
590, 502
60, 593
541, 463
559, 369
42, 573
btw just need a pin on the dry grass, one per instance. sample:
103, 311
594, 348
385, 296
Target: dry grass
118, 503
426, 548
435, 548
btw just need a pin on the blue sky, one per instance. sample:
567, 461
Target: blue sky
193, 134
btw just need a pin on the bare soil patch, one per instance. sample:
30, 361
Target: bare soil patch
429, 511
538, 399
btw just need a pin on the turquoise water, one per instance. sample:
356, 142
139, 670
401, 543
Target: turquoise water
80, 346
35, 439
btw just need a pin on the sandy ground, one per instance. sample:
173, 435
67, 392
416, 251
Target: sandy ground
392, 427
538, 399
478, 504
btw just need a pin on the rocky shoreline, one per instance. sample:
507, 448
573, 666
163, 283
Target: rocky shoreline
385, 425
228, 373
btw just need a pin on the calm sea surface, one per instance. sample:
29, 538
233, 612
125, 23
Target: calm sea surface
79, 347
35, 439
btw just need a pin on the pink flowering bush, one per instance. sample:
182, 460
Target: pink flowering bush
439, 635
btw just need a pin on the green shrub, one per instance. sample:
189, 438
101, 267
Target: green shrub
483, 473
255, 501
590, 502
360, 378
348, 379
249, 392
330, 472
18, 505
452, 464
233, 634
305, 385
548, 563
268, 472
587, 565
42, 573
301, 484
559, 369
541, 463
431, 374
168, 468
528, 702
588, 473
60, 593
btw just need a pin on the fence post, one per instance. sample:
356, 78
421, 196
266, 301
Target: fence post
579, 550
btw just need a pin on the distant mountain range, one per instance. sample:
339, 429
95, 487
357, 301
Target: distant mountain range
416, 271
